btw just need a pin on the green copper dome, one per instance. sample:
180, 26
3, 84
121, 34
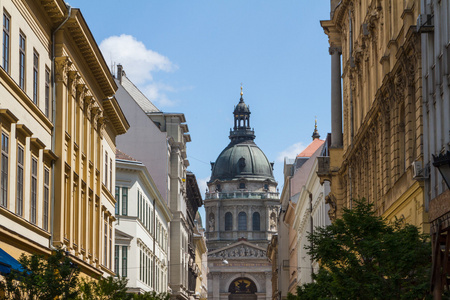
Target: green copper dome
242, 160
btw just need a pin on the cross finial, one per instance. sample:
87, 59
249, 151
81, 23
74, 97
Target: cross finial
241, 90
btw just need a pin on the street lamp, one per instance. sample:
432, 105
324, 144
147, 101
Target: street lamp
442, 162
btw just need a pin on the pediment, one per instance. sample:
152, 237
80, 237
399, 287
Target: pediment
120, 235
238, 250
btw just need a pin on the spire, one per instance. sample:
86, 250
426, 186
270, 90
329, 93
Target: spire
315, 134
242, 93
241, 130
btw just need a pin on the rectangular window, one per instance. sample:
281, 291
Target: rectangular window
46, 198
116, 259
124, 261
4, 167
117, 200
140, 264
139, 203
124, 201
110, 174
106, 168
110, 247
19, 206
6, 35
35, 77
33, 205
22, 61
105, 244
47, 93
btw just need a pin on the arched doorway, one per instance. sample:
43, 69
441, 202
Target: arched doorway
242, 289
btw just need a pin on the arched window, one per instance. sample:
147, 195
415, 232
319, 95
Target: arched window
228, 221
256, 222
242, 221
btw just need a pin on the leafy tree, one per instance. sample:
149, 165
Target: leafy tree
54, 277
151, 296
362, 256
109, 288
114, 288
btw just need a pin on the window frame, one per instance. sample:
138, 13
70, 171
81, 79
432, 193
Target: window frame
124, 261
256, 221
242, 226
4, 169
228, 221
6, 41
116, 259
33, 189
124, 201
20, 179
47, 92
22, 60
46, 200
35, 77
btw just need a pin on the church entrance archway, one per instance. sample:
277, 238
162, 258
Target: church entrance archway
242, 289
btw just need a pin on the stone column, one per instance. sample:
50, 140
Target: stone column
268, 285
336, 99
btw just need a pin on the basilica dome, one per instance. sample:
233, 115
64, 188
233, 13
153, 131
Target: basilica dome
242, 160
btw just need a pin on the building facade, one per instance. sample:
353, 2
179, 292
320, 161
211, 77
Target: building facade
64, 118
201, 259
375, 151
158, 140
141, 251
434, 25
303, 208
241, 209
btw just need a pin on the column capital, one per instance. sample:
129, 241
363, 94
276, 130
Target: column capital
334, 50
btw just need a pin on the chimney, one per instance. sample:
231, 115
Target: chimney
119, 73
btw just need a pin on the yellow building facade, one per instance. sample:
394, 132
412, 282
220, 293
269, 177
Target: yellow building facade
376, 152
64, 120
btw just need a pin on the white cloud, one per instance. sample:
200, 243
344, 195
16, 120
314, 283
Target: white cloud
155, 92
140, 63
202, 184
290, 152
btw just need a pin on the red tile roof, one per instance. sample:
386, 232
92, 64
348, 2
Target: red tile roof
309, 151
123, 156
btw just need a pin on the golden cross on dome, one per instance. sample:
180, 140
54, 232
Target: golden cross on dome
241, 90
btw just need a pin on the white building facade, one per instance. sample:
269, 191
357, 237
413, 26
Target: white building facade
311, 212
142, 228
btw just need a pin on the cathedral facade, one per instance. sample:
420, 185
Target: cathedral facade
241, 206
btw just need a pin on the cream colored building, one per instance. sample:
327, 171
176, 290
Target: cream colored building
60, 108
201, 259
303, 208
374, 152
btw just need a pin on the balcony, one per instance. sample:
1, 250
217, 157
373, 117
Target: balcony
242, 195
323, 166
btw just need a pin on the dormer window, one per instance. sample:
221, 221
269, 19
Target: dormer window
266, 187
218, 188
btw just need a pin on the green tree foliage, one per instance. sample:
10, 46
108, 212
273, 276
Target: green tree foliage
54, 277
113, 288
109, 288
362, 256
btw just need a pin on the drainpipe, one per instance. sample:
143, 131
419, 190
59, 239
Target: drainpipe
52, 206
351, 65
154, 245
311, 228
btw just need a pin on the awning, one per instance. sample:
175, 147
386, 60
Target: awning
7, 262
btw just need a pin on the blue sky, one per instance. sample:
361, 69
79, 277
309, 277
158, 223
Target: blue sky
192, 56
